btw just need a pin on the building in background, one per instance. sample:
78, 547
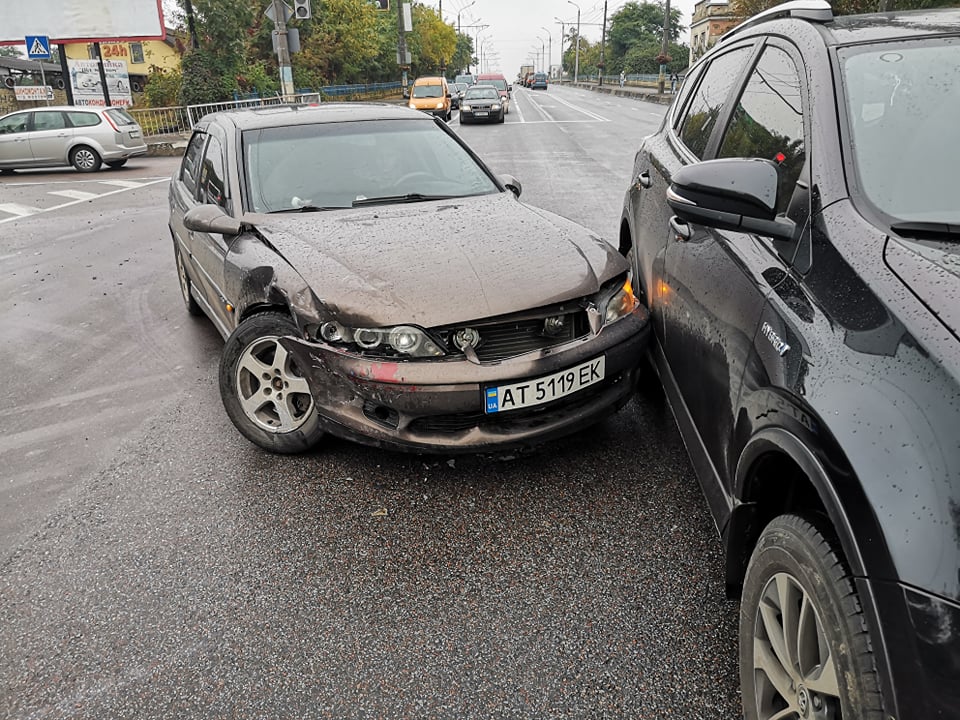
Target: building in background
711, 19
139, 57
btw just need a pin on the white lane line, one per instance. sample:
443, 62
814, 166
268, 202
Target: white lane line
129, 184
78, 182
517, 108
38, 211
74, 194
580, 109
18, 210
543, 112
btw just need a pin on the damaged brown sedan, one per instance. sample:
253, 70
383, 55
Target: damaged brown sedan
376, 281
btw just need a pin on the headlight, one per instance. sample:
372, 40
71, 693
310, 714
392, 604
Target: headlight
494, 107
412, 106
465, 108
620, 304
439, 105
385, 342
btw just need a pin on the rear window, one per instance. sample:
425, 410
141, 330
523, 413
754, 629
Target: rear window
120, 116
83, 119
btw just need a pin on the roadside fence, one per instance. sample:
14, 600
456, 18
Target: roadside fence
181, 119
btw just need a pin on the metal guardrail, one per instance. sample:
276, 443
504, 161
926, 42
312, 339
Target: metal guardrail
180, 120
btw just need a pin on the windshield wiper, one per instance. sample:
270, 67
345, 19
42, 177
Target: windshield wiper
408, 198
305, 208
927, 230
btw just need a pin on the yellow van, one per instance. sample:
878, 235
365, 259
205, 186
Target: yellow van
431, 95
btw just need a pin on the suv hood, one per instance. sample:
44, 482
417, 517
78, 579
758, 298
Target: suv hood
440, 262
931, 270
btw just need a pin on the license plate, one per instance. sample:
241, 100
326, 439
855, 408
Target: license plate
483, 113
134, 133
545, 389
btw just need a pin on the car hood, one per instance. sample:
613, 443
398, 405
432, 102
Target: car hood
440, 262
932, 272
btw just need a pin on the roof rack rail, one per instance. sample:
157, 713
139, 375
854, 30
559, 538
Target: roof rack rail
812, 10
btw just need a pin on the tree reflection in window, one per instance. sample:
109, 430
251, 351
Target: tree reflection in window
768, 121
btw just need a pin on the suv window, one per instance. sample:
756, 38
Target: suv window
768, 121
707, 103
191, 161
212, 174
48, 120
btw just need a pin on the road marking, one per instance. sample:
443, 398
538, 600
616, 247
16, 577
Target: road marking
74, 194
18, 210
519, 111
541, 110
38, 211
129, 184
78, 182
580, 109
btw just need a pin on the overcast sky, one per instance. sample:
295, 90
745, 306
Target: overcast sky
515, 24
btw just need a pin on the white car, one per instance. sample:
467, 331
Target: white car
83, 137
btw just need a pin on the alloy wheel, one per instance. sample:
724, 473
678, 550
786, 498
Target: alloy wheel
795, 673
272, 392
85, 159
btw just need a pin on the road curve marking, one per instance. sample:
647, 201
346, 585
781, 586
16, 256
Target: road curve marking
38, 211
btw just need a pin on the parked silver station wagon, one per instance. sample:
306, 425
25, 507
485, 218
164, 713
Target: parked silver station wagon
80, 136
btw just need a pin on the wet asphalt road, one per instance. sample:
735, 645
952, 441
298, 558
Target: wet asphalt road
153, 564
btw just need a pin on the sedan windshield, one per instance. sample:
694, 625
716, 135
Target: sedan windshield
334, 165
487, 93
904, 118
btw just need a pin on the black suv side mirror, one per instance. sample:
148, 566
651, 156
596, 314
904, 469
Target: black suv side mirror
731, 194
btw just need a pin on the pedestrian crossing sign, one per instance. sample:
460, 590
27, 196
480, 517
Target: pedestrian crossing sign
38, 47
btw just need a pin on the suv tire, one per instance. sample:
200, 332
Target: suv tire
803, 637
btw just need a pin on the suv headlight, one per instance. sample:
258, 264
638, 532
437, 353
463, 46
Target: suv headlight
382, 342
620, 304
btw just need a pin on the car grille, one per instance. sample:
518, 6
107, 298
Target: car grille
448, 424
506, 339
481, 108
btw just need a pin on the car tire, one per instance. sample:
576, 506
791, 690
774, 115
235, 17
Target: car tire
85, 159
116, 163
193, 307
804, 644
6, 171
463, 120
502, 117
280, 416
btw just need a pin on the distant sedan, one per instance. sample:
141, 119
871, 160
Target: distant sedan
319, 242
481, 103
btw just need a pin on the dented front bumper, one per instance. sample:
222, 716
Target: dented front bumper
438, 405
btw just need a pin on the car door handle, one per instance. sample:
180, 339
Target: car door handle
680, 228
643, 179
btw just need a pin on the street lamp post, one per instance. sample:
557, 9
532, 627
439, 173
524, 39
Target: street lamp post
576, 66
549, 50
563, 35
663, 45
458, 28
543, 48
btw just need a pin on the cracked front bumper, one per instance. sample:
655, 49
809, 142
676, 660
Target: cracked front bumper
438, 405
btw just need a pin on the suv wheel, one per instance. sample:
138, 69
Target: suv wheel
804, 648
263, 390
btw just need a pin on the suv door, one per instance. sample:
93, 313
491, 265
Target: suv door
719, 280
50, 135
15, 141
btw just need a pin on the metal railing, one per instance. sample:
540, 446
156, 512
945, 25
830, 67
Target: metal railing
180, 120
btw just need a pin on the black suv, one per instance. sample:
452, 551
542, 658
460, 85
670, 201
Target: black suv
794, 227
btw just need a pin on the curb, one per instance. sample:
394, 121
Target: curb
623, 92
166, 148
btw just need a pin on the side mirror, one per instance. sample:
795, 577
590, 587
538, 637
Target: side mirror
511, 184
211, 219
731, 194
510, 87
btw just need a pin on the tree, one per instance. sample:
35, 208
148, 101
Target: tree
746, 8
432, 42
635, 37
9, 51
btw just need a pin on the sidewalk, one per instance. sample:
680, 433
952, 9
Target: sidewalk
637, 92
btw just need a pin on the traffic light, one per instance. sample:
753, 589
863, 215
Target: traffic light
381, 4
301, 9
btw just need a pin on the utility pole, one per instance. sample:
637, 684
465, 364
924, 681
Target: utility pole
194, 43
603, 41
563, 35
663, 45
576, 62
401, 48
549, 49
283, 50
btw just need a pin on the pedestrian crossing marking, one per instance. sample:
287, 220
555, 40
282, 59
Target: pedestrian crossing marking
19, 210
129, 184
74, 194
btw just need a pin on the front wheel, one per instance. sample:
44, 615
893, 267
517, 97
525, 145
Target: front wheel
193, 307
263, 391
85, 159
804, 648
